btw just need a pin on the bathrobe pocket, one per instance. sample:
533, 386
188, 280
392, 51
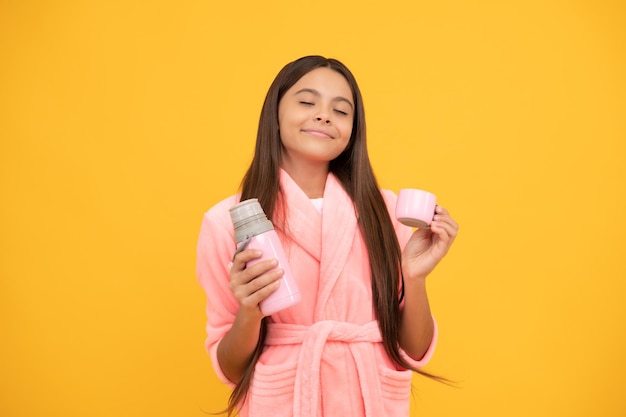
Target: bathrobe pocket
396, 391
272, 388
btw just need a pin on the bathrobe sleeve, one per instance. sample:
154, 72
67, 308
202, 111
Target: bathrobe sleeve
216, 245
404, 233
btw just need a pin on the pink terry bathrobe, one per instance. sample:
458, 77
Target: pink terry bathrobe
324, 356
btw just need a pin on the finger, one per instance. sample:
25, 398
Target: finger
445, 233
249, 274
257, 290
245, 283
260, 268
447, 223
441, 211
441, 231
262, 293
441, 214
243, 257
262, 281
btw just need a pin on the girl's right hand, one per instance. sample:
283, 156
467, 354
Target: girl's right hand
254, 284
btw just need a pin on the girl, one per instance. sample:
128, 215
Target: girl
364, 322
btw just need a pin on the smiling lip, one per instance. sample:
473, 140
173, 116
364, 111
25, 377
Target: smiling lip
319, 133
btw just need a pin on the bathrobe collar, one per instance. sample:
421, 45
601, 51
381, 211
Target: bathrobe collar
328, 237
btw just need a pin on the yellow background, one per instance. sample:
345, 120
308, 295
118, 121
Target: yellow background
121, 122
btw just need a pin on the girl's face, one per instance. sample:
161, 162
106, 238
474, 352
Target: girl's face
315, 118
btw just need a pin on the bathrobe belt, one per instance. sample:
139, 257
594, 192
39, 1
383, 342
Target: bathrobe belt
307, 390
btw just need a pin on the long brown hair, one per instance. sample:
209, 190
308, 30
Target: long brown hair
354, 171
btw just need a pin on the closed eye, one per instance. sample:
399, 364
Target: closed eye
343, 113
306, 103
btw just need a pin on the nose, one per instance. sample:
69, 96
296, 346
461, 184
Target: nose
322, 118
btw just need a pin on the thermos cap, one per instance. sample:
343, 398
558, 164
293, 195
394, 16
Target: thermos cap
244, 210
249, 219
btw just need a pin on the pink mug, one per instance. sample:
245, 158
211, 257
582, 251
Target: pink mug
415, 208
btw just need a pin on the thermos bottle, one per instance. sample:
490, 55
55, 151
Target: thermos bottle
254, 231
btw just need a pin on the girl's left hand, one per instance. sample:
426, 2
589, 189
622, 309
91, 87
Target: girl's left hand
427, 247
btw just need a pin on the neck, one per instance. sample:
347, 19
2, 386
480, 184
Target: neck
311, 178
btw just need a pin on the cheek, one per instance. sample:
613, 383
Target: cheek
283, 134
288, 120
346, 130
283, 126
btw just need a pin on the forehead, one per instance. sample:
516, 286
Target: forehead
325, 81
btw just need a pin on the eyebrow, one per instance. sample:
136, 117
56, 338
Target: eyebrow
317, 94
